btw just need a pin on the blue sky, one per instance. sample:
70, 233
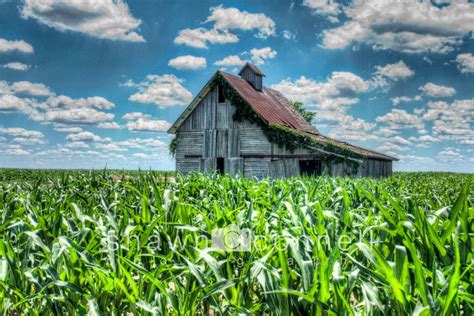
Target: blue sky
88, 84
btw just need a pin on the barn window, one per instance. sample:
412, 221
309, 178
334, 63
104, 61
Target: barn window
310, 167
221, 97
220, 165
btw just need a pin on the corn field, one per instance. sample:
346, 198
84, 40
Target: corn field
105, 242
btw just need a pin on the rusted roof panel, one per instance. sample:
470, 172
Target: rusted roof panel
270, 104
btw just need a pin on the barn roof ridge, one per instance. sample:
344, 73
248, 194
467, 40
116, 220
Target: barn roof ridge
274, 108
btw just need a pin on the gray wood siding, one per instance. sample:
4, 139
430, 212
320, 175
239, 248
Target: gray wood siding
256, 167
284, 168
254, 141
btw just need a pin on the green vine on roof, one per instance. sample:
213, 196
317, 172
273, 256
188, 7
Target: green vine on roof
283, 136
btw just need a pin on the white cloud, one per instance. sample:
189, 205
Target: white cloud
148, 125
105, 19
395, 71
28, 141
289, 35
259, 56
142, 156
77, 144
138, 121
399, 119
405, 99
109, 125
11, 103
21, 132
329, 8
17, 152
405, 26
230, 61
74, 115
400, 141
225, 20
465, 63
134, 116
164, 91
68, 129
437, 91
25, 88
58, 109
188, 62
7, 46
232, 18
340, 89
451, 121
111, 147
16, 66
199, 37
63, 101
86, 136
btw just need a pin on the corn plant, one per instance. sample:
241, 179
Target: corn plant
118, 242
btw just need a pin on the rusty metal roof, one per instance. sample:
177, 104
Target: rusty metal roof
274, 108
270, 104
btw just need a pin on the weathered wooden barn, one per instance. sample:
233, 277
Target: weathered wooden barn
237, 125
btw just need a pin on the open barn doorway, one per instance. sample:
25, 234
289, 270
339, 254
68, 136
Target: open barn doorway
220, 165
310, 167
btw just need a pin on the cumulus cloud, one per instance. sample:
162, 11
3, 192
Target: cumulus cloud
405, 26
405, 99
28, 141
134, 116
7, 46
105, 19
230, 61
164, 91
340, 89
437, 91
225, 20
17, 152
465, 63
395, 71
199, 37
232, 18
259, 56
11, 103
138, 121
25, 88
73, 115
148, 125
16, 66
451, 121
188, 62
109, 125
398, 119
21, 132
86, 136
67, 129
328, 8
